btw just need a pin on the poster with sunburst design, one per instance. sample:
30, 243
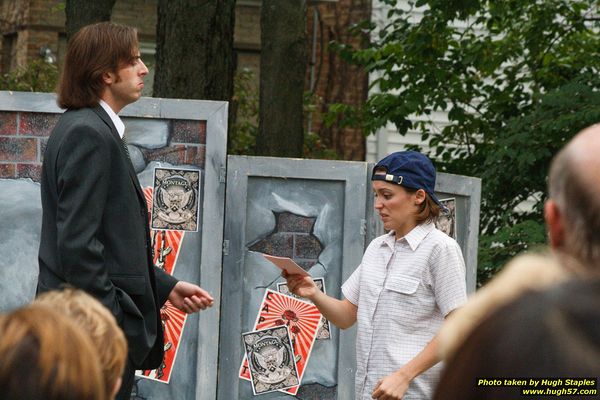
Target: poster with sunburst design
166, 245
302, 320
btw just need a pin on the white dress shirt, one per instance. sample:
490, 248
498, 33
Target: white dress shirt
114, 118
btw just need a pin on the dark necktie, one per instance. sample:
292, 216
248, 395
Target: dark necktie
124, 143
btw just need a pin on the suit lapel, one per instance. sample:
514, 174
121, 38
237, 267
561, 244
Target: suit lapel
106, 119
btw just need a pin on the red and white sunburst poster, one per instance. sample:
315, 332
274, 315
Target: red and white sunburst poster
166, 245
302, 319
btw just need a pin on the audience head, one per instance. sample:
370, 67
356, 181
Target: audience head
44, 355
95, 319
534, 270
552, 333
572, 211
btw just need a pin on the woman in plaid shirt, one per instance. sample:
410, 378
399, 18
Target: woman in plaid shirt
409, 280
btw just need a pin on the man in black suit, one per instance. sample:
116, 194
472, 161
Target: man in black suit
95, 233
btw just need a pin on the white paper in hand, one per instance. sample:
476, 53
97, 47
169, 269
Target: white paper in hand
286, 264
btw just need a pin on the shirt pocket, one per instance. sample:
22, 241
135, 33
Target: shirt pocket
403, 284
402, 302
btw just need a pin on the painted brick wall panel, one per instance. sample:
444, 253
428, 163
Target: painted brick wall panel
37, 124
307, 246
288, 222
18, 149
195, 155
203, 132
292, 238
8, 123
189, 132
277, 244
7, 170
33, 171
172, 154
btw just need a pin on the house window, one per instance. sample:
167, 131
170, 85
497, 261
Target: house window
8, 51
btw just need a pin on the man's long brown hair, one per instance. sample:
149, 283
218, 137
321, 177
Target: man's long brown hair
94, 50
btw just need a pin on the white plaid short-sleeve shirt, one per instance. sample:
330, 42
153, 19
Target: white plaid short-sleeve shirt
403, 290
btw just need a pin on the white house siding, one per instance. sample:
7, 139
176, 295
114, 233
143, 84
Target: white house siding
388, 140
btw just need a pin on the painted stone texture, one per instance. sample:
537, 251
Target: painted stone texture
303, 210
21, 216
146, 133
24, 135
292, 238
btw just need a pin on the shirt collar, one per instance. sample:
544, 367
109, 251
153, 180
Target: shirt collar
413, 238
114, 118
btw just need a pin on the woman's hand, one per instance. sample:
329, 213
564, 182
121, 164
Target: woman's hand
302, 286
391, 387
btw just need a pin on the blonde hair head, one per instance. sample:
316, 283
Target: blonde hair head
44, 355
99, 323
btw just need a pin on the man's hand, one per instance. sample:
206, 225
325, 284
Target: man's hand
302, 286
391, 387
190, 298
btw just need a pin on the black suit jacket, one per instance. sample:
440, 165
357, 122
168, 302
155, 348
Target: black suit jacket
95, 233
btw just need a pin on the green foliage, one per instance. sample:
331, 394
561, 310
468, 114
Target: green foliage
315, 148
516, 79
243, 132
245, 100
59, 6
37, 76
507, 242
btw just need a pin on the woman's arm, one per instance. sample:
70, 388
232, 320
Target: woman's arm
342, 313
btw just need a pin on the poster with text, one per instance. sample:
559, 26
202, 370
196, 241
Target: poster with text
175, 200
303, 320
166, 246
324, 332
271, 359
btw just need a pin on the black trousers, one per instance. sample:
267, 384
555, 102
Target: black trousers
128, 380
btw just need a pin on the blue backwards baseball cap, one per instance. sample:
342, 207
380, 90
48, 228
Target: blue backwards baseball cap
408, 168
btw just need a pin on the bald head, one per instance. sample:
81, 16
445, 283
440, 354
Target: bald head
583, 152
573, 209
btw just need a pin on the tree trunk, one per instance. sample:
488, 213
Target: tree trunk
194, 49
84, 12
282, 71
